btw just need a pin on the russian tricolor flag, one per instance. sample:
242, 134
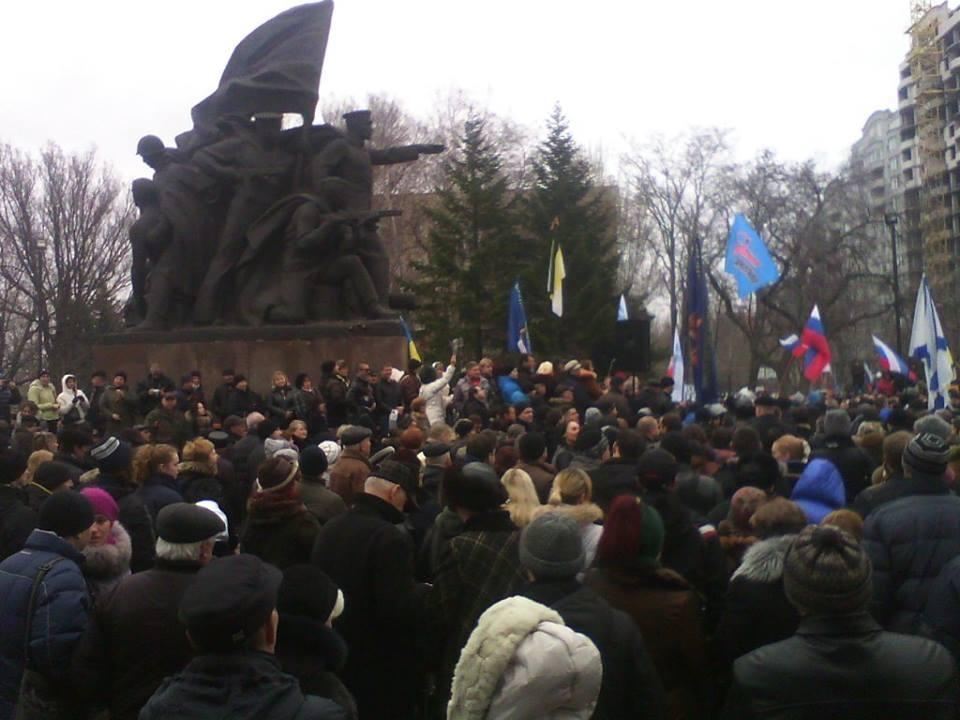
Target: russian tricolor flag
888, 359
812, 346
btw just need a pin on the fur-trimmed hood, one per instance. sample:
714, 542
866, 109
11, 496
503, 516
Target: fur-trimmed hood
584, 514
196, 467
763, 562
521, 656
111, 560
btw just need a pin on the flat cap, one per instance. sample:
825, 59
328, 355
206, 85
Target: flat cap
184, 523
435, 449
354, 435
399, 474
229, 600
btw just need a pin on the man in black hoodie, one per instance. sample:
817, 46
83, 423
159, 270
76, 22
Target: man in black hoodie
551, 552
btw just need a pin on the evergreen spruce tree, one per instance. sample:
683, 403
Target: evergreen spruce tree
463, 282
567, 208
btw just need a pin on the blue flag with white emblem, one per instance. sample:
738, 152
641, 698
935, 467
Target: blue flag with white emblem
748, 259
518, 338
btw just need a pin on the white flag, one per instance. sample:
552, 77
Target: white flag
928, 344
556, 283
675, 370
622, 310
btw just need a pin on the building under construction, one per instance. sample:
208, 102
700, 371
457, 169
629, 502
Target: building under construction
929, 109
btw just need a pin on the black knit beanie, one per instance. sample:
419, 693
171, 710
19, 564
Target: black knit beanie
826, 572
926, 454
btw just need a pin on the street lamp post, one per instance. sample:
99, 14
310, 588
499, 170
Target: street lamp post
891, 219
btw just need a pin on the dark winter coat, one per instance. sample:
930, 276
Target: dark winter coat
942, 612
631, 687
241, 454
158, 491
219, 401
17, 520
111, 666
198, 481
844, 667
854, 464
9, 401
240, 686
60, 614
243, 402
666, 609
756, 611
282, 405
168, 426
909, 541
388, 396
612, 478
480, 567
335, 393
135, 519
542, 474
281, 535
148, 400
314, 653
693, 552
320, 500
896, 487
371, 560
409, 389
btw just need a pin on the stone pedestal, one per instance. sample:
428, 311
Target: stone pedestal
254, 352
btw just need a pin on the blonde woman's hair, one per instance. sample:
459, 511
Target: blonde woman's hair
523, 502
44, 440
279, 374
36, 459
198, 450
148, 460
571, 487
294, 424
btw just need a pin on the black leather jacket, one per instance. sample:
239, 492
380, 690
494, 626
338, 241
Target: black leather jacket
844, 667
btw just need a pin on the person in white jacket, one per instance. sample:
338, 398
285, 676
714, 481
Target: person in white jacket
436, 391
71, 398
522, 663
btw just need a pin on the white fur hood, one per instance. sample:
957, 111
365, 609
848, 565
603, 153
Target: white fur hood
110, 561
763, 561
522, 663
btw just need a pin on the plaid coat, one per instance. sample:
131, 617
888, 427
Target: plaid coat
480, 568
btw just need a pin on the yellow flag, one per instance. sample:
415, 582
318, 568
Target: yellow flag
556, 290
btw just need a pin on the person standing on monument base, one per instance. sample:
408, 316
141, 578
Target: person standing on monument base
44, 395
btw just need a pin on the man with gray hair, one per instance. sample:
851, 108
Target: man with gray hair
133, 640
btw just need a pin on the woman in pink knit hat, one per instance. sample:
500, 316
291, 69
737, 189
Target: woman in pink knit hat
108, 553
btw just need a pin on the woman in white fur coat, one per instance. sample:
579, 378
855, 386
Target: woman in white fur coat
522, 663
108, 552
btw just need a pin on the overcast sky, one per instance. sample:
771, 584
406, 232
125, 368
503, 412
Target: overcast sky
798, 77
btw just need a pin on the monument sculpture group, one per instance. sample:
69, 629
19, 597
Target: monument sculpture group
245, 223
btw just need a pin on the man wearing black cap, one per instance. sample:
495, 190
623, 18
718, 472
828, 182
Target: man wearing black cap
348, 476
371, 559
840, 664
231, 620
17, 520
481, 565
911, 539
767, 420
49, 478
318, 499
132, 642
45, 606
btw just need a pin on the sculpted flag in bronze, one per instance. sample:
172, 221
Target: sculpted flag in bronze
245, 223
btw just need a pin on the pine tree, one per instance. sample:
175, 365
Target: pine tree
567, 208
463, 282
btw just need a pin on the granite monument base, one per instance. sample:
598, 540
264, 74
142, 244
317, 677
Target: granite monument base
254, 352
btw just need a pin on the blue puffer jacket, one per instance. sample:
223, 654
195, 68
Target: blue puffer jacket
60, 617
511, 391
819, 490
909, 541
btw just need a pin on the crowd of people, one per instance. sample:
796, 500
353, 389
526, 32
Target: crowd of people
491, 539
